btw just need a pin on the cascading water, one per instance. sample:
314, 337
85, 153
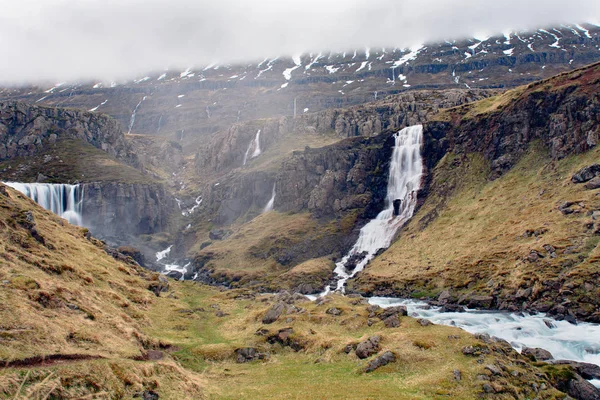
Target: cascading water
406, 168
62, 199
132, 120
271, 202
255, 146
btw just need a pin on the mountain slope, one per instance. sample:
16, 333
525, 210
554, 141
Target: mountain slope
503, 221
185, 105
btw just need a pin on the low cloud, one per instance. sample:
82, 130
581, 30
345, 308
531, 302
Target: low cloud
66, 40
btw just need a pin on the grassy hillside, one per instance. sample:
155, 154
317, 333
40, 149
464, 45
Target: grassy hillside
76, 323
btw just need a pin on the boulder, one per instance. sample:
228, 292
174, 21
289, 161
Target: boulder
273, 313
368, 347
392, 322
585, 174
334, 311
581, 389
593, 183
586, 370
424, 322
384, 359
537, 353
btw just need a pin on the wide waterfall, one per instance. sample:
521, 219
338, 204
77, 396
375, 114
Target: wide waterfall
406, 168
62, 199
271, 202
254, 146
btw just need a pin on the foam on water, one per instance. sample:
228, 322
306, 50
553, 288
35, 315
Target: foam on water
564, 340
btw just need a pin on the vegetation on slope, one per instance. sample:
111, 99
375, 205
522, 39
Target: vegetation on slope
77, 323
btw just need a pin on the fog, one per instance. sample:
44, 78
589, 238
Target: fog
68, 40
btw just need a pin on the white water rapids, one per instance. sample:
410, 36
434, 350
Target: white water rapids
406, 168
564, 340
62, 199
253, 146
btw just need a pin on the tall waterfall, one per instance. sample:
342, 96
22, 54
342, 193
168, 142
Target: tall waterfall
62, 199
255, 146
271, 202
406, 168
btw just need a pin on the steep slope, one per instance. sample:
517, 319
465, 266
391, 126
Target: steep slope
504, 225
201, 100
78, 323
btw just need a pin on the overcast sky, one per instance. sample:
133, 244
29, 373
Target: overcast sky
58, 40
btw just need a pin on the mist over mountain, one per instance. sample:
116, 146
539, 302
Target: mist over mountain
112, 40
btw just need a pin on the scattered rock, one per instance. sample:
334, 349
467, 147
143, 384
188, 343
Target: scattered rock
475, 351
286, 337
368, 347
384, 359
248, 354
537, 353
495, 370
3, 191
349, 347
334, 311
397, 311
487, 388
273, 313
452, 308
147, 395
221, 314
457, 374
424, 322
262, 332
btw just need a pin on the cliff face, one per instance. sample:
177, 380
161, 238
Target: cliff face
562, 112
332, 180
117, 211
25, 130
227, 149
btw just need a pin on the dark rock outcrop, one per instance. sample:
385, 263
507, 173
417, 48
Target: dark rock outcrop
116, 211
26, 129
368, 347
537, 353
384, 359
273, 313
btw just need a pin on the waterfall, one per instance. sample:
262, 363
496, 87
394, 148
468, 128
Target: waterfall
132, 121
271, 202
254, 144
406, 168
62, 199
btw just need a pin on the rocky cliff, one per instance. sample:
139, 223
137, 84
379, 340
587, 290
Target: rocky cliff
562, 112
117, 211
226, 150
26, 130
